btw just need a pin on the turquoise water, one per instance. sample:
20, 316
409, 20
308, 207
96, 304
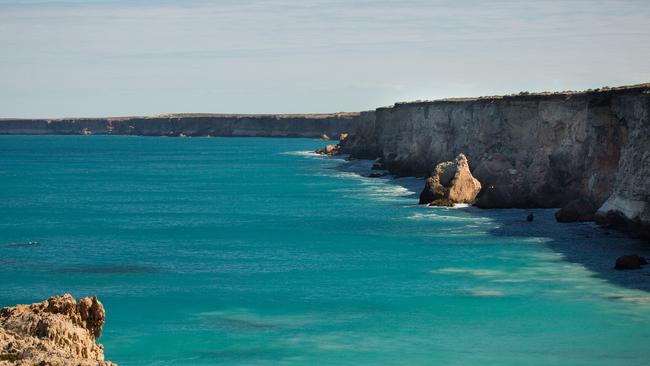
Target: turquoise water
251, 252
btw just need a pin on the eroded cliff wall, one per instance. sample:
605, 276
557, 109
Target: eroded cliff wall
303, 125
539, 150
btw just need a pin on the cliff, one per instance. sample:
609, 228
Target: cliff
285, 125
57, 331
528, 150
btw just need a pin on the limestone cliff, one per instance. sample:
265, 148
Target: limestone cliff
280, 125
527, 150
57, 331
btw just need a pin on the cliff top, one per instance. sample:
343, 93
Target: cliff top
524, 95
196, 115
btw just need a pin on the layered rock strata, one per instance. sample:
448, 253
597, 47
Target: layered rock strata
280, 125
57, 331
528, 150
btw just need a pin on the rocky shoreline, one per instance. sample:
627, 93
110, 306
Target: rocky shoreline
587, 152
58, 331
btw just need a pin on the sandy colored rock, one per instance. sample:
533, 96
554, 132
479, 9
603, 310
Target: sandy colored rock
451, 182
57, 331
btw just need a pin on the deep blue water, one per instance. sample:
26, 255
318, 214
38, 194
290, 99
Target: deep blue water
248, 252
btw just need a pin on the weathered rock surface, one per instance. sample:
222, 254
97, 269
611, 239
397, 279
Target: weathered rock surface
450, 182
527, 150
57, 331
631, 261
576, 210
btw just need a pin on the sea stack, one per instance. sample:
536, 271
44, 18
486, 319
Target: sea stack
451, 182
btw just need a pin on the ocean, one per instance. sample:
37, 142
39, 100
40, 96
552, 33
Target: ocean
251, 251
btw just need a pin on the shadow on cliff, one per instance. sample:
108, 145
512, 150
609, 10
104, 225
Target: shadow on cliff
586, 244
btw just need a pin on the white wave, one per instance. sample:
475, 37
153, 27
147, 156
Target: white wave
477, 272
510, 280
485, 292
440, 217
309, 153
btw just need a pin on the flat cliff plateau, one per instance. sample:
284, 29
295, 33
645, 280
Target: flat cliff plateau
528, 150
58, 331
227, 125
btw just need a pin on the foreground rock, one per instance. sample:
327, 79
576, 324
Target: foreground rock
576, 210
451, 182
57, 331
631, 261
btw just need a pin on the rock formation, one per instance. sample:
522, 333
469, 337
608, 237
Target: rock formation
57, 331
527, 150
328, 150
451, 182
576, 210
630, 261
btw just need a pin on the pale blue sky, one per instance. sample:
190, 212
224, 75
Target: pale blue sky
102, 58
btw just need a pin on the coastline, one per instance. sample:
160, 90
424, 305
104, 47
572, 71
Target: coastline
528, 150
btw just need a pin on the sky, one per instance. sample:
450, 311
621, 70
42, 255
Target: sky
112, 58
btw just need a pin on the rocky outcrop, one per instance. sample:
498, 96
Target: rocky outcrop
192, 125
575, 211
451, 182
328, 150
57, 331
630, 261
333, 149
527, 150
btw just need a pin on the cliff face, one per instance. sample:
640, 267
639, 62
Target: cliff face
540, 150
57, 331
304, 125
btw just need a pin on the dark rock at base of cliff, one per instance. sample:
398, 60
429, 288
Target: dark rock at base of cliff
617, 220
451, 182
378, 165
630, 261
377, 175
328, 150
441, 202
575, 211
494, 197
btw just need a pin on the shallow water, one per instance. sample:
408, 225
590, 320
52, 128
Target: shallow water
214, 251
